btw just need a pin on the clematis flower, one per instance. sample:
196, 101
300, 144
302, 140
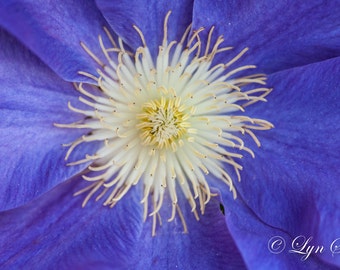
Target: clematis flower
211, 198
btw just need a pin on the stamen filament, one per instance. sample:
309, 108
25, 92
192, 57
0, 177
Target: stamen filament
165, 123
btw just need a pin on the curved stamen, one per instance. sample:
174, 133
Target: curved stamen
166, 123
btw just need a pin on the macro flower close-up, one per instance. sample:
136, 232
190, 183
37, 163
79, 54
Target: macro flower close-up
170, 134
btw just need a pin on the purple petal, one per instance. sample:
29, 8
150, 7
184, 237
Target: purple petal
267, 247
148, 16
207, 245
32, 99
293, 182
54, 30
280, 34
55, 232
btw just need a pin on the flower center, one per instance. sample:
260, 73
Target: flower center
165, 123
162, 122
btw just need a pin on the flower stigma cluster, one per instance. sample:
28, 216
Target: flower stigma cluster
165, 124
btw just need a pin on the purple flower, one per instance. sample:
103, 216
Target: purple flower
286, 214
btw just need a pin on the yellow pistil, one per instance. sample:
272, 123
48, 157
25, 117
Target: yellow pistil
162, 123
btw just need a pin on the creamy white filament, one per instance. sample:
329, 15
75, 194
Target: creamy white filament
166, 123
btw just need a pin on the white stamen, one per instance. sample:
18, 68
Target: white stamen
165, 122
